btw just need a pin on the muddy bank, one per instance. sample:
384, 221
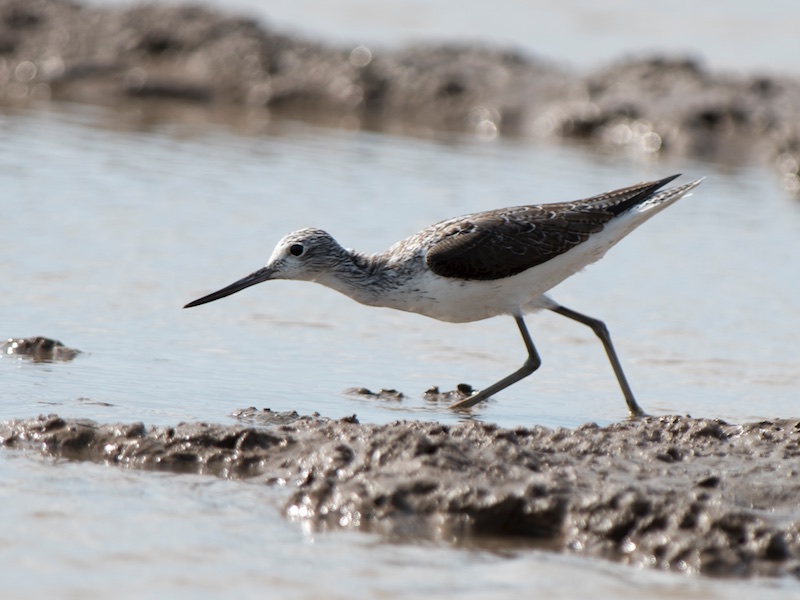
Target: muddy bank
677, 493
158, 61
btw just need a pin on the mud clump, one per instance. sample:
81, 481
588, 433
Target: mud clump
690, 495
168, 62
382, 394
433, 394
38, 349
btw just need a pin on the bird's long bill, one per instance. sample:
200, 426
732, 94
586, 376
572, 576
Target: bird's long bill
252, 279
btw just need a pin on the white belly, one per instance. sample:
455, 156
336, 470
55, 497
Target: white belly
459, 301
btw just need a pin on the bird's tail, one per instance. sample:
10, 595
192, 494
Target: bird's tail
670, 196
649, 206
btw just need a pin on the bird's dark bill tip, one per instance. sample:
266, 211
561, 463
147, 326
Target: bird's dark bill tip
252, 279
197, 302
206, 299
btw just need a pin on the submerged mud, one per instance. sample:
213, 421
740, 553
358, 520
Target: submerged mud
170, 62
692, 495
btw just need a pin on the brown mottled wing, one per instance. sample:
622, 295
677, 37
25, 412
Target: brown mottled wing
499, 244
494, 246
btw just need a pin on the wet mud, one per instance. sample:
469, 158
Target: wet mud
170, 62
38, 349
382, 394
691, 495
433, 394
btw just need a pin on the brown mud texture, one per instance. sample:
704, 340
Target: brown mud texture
692, 495
155, 61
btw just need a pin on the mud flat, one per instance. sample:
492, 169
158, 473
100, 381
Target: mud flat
692, 495
170, 62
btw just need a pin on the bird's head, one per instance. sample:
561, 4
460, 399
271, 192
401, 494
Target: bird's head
303, 255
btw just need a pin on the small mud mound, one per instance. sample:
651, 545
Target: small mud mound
382, 394
38, 349
463, 390
691, 495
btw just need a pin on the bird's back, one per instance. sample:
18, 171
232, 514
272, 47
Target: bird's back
501, 243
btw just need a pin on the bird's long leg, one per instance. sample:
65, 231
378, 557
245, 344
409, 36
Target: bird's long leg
531, 364
602, 332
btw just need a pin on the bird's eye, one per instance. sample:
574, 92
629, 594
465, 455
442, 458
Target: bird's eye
296, 249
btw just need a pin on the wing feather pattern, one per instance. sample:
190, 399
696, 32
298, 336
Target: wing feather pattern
502, 243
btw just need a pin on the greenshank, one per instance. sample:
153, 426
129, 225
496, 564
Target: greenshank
481, 265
